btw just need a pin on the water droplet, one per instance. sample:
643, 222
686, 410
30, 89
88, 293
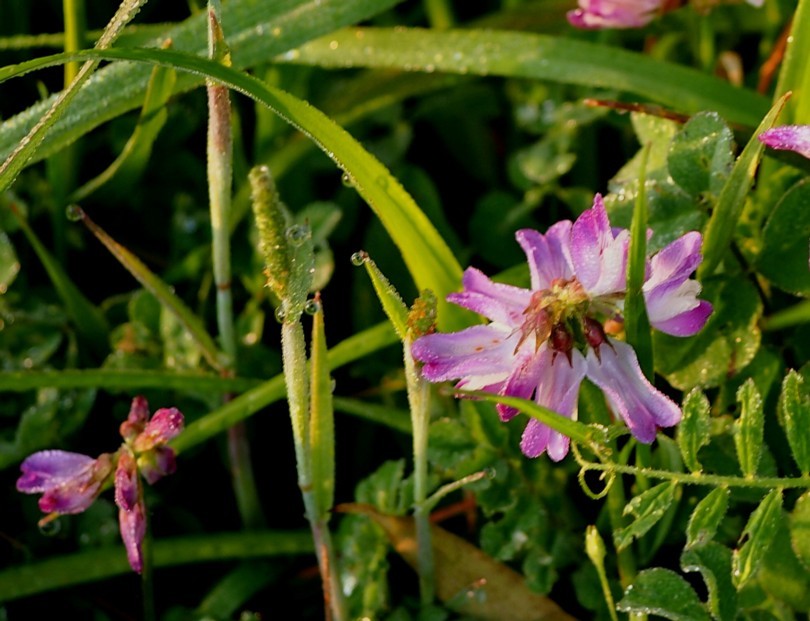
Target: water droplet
359, 258
347, 180
74, 213
50, 525
280, 314
276, 31
297, 234
333, 45
332, 385
312, 306
491, 473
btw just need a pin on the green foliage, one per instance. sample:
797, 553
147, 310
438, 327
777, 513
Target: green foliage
757, 537
693, 432
663, 593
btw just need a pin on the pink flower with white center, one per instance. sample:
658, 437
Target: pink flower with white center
70, 482
789, 138
541, 342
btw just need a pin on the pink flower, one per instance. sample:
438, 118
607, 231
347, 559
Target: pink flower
597, 14
593, 14
70, 482
541, 342
788, 137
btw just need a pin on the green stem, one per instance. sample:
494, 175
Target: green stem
293, 351
439, 14
147, 573
788, 317
220, 183
418, 394
713, 480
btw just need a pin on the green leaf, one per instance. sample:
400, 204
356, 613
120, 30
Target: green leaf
781, 573
783, 259
700, 157
794, 414
800, 529
693, 431
389, 297
88, 318
130, 163
713, 561
793, 75
160, 290
27, 146
321, 420
124, 380
538, 57
397, 419
749, 428
647, 509
9, 264
636, 322
102, 564
727, 343
348, 350
46, 424
706, 517
757, 535
664, 593
257, 31
723, 222
426, 254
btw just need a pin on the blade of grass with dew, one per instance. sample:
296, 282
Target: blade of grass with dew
636, 323
353, 348
723, 222
88, 318
794, 76
321, 419
427, 256
396, 419
28, 144
540, 57
160, 290
123, 379
578, 432
258, 31
101, 564
129, 164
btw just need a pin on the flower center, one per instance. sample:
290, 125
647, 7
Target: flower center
561, 316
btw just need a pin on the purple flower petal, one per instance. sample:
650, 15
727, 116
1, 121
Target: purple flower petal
670, 296
480, 355
522, 381
788, 137
127, 486
131, 511
638, 402
69, 482
48, 469
593, 14
558, 390
136, 420
157, 463
497, 302
549, 255
132, 523
599, 257
166, 424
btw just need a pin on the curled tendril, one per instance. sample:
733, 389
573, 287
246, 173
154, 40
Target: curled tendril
609, 476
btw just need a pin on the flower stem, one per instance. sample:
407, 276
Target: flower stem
293, 351
420, 421
220, 181
147, 573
